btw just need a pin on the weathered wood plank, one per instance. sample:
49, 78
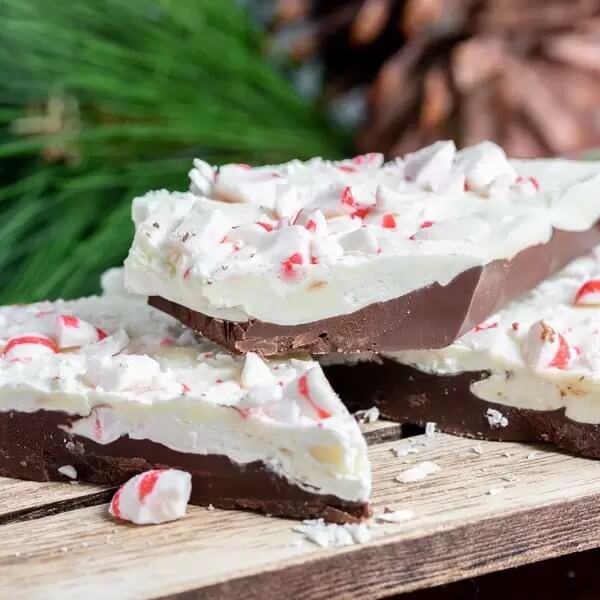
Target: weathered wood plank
459, 530
381, 431
22, 497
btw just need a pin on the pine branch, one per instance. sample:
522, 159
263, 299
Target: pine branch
101, 101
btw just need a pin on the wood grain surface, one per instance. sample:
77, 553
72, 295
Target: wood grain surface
491, 506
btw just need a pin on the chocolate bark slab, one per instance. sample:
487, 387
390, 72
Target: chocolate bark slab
407, 395
431, 317
33, 447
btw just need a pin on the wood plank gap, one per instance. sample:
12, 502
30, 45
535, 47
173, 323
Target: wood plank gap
60, 506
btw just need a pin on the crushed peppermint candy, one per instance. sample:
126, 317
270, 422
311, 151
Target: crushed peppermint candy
544, 347
153, 497
418, 472
495, 418
588, 294
331, 535
368, 416
395, 516
405, 450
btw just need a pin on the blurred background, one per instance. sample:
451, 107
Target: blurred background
101, 100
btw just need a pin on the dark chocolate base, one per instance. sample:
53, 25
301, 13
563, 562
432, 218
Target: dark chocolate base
407, 395
32, 446
431, 317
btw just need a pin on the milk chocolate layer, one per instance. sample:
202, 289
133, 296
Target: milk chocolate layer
410, 396
32, 446
431, 317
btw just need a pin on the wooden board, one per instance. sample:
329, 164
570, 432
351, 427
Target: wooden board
549, 505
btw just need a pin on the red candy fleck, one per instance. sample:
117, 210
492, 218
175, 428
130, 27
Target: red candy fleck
361, 213
388, 221
265, 226
147, 483
218, 381
101, 333
185, 388
305, 393
589, 287
288, 266
311, 225
70, 321
532, 180
314, 260
115, 503
346, 196
167, 342
423, 225
362, 159
485, 326
30, 339
563, 354
515, 326
187, 273
244, 412
347, 169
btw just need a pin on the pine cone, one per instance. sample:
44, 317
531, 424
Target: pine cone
524, 73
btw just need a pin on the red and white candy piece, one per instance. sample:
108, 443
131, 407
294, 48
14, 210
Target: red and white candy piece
315, 392
153, 497
588, 294
73, 332
313, 221
546, 348
483, 164
29, 346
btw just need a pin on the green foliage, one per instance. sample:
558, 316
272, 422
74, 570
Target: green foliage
103, 100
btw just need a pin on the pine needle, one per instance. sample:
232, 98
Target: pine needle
101, 101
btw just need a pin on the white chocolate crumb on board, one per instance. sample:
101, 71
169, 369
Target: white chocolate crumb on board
418, 472
68, 471
395, 516
331, 535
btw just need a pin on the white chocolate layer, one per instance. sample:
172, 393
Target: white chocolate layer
542, 352
300, 242
151, 379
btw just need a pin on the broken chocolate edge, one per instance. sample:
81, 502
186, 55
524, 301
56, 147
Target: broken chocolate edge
407, 395
34, 447
431, 317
